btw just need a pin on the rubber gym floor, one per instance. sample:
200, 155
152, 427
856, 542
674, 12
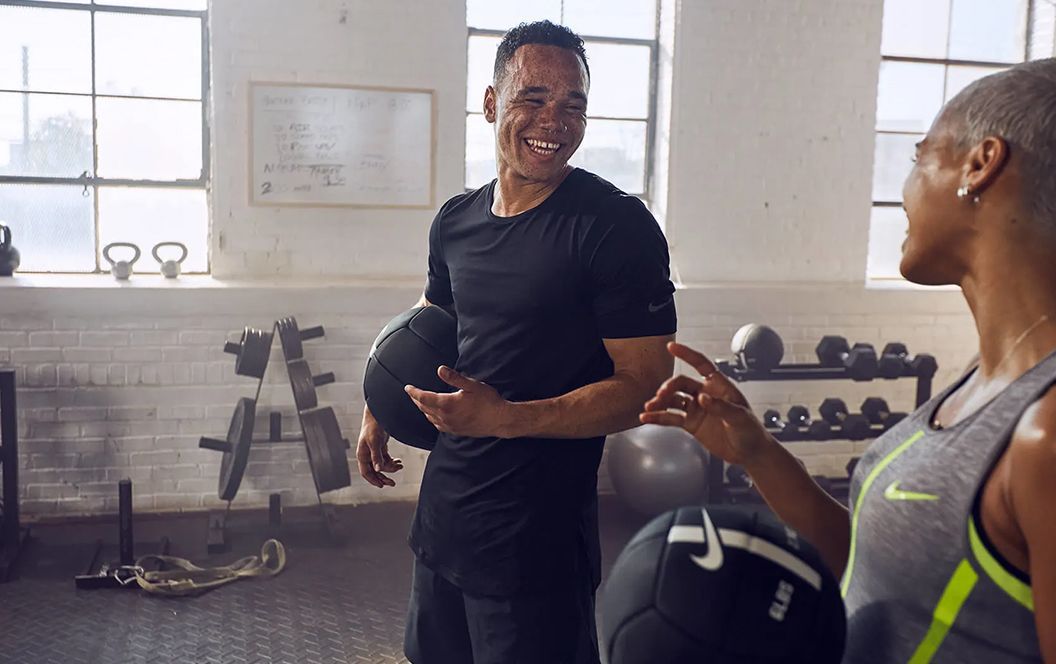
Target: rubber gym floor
331, 604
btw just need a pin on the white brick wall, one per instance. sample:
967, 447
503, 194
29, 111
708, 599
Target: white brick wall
105, 395
129, 394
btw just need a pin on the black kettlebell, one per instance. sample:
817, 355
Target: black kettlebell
9, 256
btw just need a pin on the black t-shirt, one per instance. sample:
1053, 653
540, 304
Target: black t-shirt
535, 294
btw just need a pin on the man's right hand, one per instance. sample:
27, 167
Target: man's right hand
372, 453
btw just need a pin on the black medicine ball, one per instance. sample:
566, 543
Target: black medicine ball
408, 352
757, 347
721, 585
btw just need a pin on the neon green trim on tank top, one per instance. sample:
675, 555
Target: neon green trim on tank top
1015, 588
870, 478
953, 598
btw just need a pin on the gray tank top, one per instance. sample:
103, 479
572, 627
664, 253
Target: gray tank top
923, 583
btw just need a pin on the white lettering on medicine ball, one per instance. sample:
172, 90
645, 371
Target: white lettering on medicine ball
782, 600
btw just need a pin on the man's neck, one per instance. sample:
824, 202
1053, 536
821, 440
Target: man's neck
514, 194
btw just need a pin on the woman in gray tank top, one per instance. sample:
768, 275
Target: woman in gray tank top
947, 550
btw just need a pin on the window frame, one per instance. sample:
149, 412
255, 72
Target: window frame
92, 181
946, 63
650, 117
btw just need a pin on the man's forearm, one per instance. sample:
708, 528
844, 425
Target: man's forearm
597, 409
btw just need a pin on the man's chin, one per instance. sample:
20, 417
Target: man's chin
540, 172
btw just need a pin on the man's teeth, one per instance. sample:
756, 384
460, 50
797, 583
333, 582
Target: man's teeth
542, 147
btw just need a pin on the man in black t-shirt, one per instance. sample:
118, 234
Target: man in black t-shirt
561, 286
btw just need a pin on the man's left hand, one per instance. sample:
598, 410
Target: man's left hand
475, 410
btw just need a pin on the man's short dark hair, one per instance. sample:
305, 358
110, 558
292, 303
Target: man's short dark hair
540, 32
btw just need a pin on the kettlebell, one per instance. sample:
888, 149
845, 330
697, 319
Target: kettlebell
9, 256
121, 269
170, 268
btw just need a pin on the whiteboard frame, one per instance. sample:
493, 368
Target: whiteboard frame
253, 202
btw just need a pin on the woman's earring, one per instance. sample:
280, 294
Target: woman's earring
963, 192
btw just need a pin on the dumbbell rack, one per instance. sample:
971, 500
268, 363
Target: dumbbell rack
319, 431
718, 490
13, 536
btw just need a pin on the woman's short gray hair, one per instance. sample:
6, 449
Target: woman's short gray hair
1018, 105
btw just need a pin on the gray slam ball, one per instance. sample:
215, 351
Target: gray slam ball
656, 468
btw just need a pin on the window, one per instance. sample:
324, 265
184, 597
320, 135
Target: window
621, 43
103, 135
930, 51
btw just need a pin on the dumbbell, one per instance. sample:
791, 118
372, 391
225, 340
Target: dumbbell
877, 411
772, 420
251, 352
834, 411
851, 465
894, 360
757, 347
738, 476
820, 429
924, 365
860, 360
798, 417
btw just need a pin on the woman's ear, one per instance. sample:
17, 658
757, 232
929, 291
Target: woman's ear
986, 160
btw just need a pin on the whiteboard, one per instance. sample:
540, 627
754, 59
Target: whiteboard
320, 145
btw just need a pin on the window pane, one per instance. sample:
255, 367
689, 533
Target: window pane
988, 30
51, 226
147, 216
915, 28
53, 140
481, 70
619, 80
150, 140
632, 19
910, 96
887, 232
56, 44
615, 150
892, 162
196, 5
148, 56
958, 77
480, 151
504, 14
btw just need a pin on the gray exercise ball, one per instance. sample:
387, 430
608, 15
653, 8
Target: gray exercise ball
655, 468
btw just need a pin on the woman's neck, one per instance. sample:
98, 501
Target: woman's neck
1013, 299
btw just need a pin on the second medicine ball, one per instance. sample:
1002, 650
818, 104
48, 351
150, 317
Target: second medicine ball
721, 585
408, 352
757, 347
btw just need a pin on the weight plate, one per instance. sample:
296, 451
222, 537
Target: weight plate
240, 437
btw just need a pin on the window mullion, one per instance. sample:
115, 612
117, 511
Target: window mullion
95, 152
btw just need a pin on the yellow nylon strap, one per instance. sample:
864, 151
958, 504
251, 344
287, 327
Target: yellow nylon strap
189, 579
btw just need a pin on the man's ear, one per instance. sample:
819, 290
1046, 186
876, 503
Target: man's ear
490, 102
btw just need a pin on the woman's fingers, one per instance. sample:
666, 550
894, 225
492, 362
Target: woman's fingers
693, 358
663, 418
